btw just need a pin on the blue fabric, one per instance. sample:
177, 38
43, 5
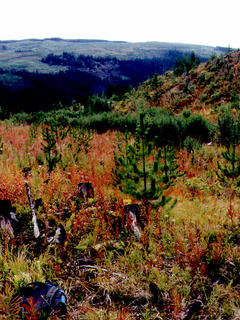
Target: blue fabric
47, 297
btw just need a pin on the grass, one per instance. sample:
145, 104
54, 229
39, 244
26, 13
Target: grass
185, 265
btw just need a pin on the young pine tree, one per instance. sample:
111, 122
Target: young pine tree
229, 136
52, 133
49, 147
144, 180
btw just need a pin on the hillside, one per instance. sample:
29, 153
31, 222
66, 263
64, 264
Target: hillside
27, 54
204, 89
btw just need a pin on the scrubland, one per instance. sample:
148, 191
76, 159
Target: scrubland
185, 266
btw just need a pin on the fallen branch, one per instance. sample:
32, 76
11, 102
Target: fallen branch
34, 217
90, 267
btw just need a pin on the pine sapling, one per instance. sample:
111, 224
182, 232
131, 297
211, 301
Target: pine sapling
229, 129
139, 177
49, 147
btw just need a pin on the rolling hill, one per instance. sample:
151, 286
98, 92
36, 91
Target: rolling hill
27, 54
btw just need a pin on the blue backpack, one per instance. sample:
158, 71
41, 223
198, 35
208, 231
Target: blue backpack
47, 298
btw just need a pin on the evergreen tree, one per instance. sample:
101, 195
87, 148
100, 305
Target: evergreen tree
229, 136
169, 167
49, 147
51, 134
140, 178
186, 64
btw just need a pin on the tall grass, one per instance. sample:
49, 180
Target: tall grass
188, 258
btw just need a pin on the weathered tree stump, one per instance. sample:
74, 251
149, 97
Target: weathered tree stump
85, 190
7, 216
132, 219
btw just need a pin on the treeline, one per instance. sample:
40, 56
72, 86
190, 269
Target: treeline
185, 64
136, 70
162, 126
81, 61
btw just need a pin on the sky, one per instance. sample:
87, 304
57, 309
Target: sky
206, 22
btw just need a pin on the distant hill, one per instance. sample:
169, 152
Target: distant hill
27, 54
36, 74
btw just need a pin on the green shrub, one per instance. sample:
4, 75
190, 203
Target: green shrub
228, 127
234, 99
202, 78
162, 125
191, 144
197, 127
165, 128
186, 113
216, 96
96, 104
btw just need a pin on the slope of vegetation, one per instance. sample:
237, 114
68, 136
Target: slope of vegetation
186, 263
204, 88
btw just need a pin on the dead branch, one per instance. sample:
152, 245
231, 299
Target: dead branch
34, 217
